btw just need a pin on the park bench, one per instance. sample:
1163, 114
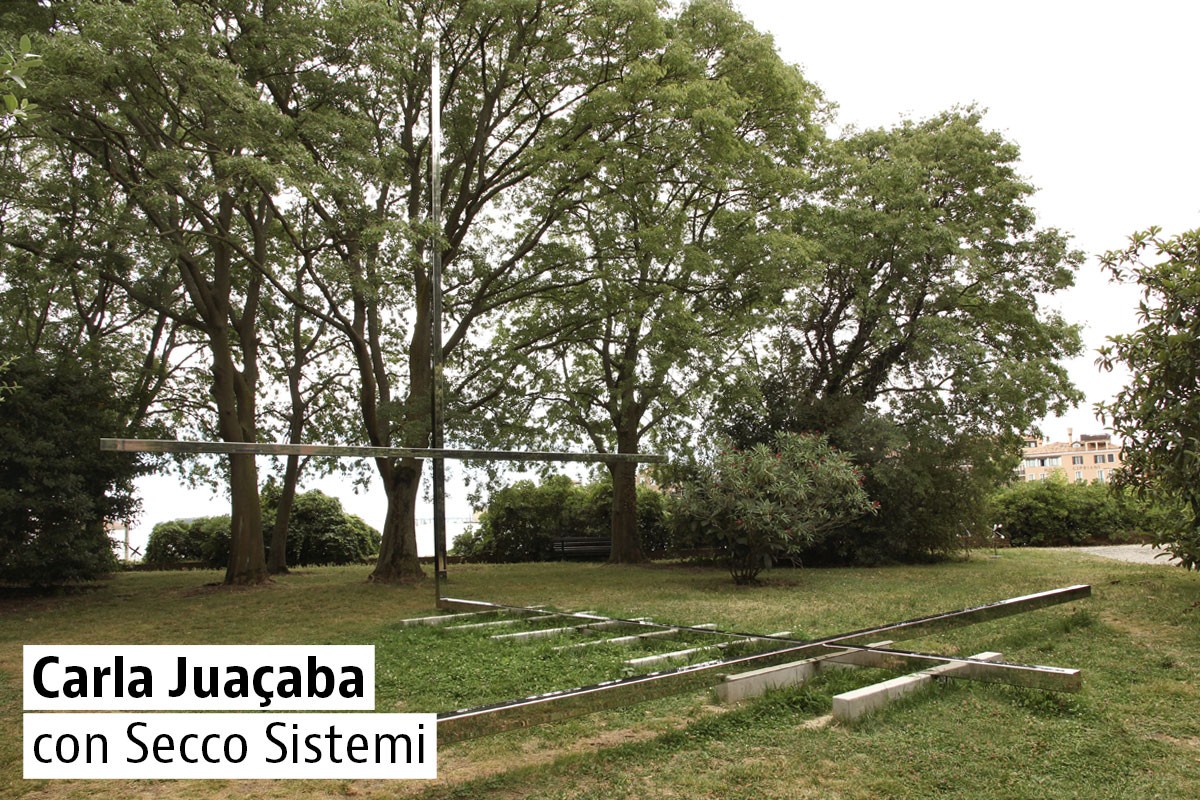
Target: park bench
581, 547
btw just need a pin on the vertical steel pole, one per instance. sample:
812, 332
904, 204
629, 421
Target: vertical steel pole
437, 399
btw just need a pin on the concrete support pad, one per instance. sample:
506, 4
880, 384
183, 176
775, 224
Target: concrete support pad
745, 685
852, 705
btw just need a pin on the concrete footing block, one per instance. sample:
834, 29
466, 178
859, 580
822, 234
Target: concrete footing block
852, 705
745, 685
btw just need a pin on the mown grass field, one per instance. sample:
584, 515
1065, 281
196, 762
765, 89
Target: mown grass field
1133, 732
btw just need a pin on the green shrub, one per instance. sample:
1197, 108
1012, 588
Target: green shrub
57, 488
764, 504
319, 532
174, 542
1055, 513
522, 521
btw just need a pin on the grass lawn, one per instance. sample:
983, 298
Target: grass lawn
1133, 732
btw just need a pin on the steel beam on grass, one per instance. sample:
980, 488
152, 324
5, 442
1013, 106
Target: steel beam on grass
458, 604
553, 706
546, 633
849, 706
658, 658
637, 637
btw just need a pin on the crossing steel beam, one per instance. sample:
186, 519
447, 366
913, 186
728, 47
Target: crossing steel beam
552, 706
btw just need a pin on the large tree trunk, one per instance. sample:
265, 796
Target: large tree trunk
277, 560
247, 563
626, 544
398, 551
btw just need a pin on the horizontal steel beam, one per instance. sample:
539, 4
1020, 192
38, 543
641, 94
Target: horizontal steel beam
553, 706
658, 658
343, 451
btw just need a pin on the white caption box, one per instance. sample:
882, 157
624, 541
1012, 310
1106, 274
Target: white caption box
235, 746
199, 678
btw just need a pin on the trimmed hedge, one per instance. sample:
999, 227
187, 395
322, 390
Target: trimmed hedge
319, 532
1055, 513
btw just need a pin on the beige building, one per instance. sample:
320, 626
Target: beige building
1090, 458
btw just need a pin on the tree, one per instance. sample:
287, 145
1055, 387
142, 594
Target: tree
521, 521
528, 95
301, 355
922, 346
57, 489
1158, 413
151, 102
671, 255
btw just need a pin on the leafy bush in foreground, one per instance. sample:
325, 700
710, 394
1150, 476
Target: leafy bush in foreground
768, 503
57, 488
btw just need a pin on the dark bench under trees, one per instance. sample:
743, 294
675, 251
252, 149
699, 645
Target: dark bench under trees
581, 547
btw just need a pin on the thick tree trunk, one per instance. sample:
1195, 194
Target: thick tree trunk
277, 560
398, 551
626, 543
246, 562
236, 423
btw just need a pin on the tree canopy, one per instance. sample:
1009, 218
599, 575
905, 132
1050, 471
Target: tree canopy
228, 204
672, 250
1158, 412
921, 345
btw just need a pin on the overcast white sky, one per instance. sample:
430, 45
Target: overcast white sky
1100, 96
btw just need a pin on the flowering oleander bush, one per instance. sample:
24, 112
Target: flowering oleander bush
764, 504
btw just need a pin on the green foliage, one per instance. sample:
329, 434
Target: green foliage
57, 489
768, 503
522, 521
1055, 513
670, 258
931, 490
13, 67
1158, 412
175, 542
930, 496
921, 348
320, 532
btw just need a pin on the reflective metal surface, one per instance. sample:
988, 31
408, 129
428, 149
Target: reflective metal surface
551, 706
340, 451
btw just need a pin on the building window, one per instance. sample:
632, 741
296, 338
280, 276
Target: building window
1079, 476
1111, 457
1100, 476
1077, 460
1098, 459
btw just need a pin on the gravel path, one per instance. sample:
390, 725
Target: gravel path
1134, 553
